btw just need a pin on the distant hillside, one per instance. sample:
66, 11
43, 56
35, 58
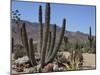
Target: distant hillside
33, 32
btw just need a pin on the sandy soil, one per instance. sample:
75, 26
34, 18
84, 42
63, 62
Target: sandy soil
89, 60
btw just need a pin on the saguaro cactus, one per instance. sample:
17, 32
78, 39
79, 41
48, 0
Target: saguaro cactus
48, 52
90, 38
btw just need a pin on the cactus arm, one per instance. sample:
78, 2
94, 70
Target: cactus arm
12, 45
21, 36
25, 38
90, 38
59, 43
49, 44
65, 42
52, 42
47, 23
40, 28
31, 52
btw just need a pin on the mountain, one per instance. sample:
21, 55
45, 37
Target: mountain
33, 32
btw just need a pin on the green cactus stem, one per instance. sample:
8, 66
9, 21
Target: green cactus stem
12, 45
59, 43
52, 42
25, 38
49, 44
47, 24
40, 28
32, 52
90, 38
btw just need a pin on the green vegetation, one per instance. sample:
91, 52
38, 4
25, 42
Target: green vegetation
19, 51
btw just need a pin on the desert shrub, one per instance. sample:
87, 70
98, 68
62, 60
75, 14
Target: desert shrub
19, 51
60, 58
87, 49
75, 60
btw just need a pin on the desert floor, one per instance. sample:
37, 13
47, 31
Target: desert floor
89, 60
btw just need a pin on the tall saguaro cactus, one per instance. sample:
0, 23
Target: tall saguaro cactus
48, 52
90, 38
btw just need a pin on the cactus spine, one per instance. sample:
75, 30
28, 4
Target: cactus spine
90, 38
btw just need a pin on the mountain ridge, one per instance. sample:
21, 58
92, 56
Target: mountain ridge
33, 31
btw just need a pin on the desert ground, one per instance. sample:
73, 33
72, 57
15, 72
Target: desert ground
88, 64
89, 60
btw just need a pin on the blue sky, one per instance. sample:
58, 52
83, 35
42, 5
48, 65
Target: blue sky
79, 17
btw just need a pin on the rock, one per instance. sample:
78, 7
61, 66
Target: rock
20, 69
22, 60
55, 67
61, 69
48, 68
27, 65
14, 72
38, 67
27, 70
14, 66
